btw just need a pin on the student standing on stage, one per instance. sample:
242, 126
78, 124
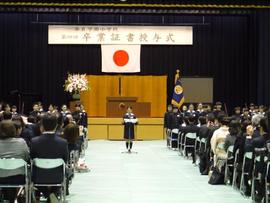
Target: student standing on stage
129, 121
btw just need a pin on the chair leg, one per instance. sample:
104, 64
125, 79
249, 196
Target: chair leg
27, 194
266, 191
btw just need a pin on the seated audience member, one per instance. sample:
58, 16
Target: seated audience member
261, 110
71, 134
240, 142
218, 110
251, 109
7, 108
256, 123
207, 109
218, 139
234, 129
33, 123
14, 110
77, 114
249, 137
213, 125
68, 119
191, 111
201, 121
35, 111
204, 130
184, 111
40, 107
51, 109
237, 114
175, 119
64, 111
190, 128
245, 115
48, 146
200, 111
7, 115
60, 124
12, 147
260, 141
26, 133
256, 110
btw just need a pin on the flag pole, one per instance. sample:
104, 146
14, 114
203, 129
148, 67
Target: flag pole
177, 76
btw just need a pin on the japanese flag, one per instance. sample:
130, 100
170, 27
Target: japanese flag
121, 58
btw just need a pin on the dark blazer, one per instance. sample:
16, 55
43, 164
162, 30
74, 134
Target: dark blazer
84, 121
175, 119
48, 146
203, 132
260, 142
167, 120
128, 126
192, 128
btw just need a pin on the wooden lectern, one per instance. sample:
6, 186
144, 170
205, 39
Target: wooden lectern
117, 106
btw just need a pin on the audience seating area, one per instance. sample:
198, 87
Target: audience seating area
227, 149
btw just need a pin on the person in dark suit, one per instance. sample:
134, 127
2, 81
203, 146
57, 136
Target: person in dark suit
237, 114
35, 111
77, 114
175, 118
260, 141
84, 121
167, 116
190, 128
218, 110
48, 146
129, 121
256, 125
166, 120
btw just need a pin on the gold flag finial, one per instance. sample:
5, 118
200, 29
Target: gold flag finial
177, 75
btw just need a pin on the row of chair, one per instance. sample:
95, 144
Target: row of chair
253, 171
27, 187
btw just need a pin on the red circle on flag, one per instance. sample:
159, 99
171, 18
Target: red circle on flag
120, 57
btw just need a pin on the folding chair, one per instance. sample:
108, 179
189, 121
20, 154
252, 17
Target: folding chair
235, 169
247, 162
14, 164
174, 138
50, 164
203, 144
229, 164
267, 183
191, 137
72, 163
180, 149
259, 168
197, 150
168, 137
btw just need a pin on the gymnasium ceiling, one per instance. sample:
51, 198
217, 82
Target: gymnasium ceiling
130, 6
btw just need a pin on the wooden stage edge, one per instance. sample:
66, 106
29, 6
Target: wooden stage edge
113, 129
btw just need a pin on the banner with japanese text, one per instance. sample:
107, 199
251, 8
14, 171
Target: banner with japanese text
90, 34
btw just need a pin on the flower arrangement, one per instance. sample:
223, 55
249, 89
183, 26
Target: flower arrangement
76, 83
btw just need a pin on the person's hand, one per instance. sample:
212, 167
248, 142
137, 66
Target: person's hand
250, 130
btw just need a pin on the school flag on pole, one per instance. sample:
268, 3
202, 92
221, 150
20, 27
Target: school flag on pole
178, 93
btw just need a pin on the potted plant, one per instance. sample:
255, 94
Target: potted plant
75, 84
